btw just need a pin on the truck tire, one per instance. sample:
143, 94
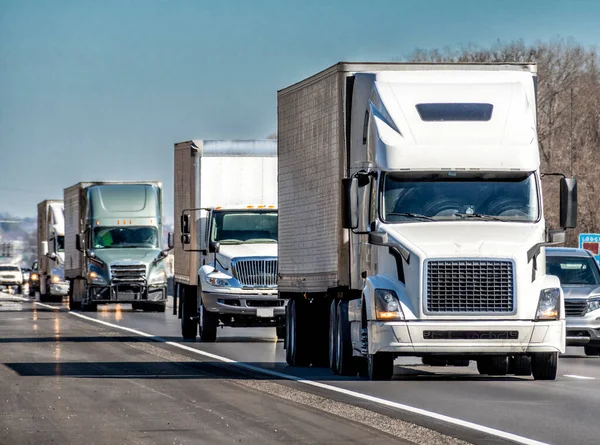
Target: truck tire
89, 307
380, 366
333, 326
493, 365
520, 365
298, 347
280, 332
544, 365
345, 362
189, 314
151, 307
209, 323
591, 351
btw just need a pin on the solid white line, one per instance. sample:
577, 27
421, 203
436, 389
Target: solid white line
358, 395
582, 377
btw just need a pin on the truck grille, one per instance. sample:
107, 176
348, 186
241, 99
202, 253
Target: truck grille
469, 286
256, 273
575, 308
128, 273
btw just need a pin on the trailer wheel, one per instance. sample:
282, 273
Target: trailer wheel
544, 365
298, 347
189, 314
520, 365
346, 364
209, 323
280, 332
497, 365
333, 347
591, 351
380, 366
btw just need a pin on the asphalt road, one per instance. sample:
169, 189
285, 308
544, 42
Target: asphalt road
167, 386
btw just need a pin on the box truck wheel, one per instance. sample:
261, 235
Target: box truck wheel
520, 365
209, 323
544, 365
19, 290
333, 326
73, 305
496, 365
189, 313
298, 347
345, 362
591, 351
280, 331
380, 366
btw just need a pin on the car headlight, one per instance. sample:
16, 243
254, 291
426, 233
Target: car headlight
55, 279
387, 306
157, 276
549, 305
34, 277
217, 282
593, 305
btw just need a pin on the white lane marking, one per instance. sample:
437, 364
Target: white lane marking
357, 395
581, 377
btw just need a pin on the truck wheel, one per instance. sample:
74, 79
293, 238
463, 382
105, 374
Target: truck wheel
544, 365
189, 314
209, 323
19, 290
493, 365
150, 307
298, 348
89, 307
380, 366
280, 331
520, 365
591, 351
345, 362
333, 326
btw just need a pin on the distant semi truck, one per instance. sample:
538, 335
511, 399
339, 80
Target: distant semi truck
113, 245
51, 248
226, 255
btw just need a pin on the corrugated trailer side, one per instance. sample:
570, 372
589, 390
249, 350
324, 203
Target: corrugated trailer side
73, 222
42, 233
313, 252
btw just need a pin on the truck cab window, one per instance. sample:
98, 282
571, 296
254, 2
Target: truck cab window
125, 237
244, 227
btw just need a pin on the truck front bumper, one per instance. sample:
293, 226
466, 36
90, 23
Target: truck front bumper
59, 289
472, 338
582, 331
126, 293
250, 305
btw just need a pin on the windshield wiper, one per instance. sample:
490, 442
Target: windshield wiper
413, 215
478, 216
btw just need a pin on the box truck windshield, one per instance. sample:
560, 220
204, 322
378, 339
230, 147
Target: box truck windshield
235, 227
60, 243
460, 195
125, 237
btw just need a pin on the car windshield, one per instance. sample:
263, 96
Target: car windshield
573, 270
60, 243
122, 237
244, 227
10, 269
459, 195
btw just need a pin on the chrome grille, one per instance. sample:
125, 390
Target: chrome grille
256, 273
575, 308
128, 273
472, 286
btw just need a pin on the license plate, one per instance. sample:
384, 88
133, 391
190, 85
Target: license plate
264, 312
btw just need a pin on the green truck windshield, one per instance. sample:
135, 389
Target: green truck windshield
244, 227
123, 237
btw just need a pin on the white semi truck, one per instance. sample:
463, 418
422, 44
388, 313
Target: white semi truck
226, 251
51, 249
411, 220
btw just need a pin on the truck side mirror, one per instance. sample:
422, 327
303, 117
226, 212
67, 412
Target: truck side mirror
214, 247
350, 203
378, 238
170, 240
52, 256
185, 224
186, 239
44, 251
568, 203
557, 236
78, 242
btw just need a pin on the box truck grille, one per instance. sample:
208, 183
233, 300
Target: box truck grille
256, 273
130, 273
470, 286
575, 308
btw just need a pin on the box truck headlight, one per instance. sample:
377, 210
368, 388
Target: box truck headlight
158, 276
387, 306
34, 277
593, 305
549, 305
96, 278
55, 279
217, 282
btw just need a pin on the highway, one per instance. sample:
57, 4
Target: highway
118, 376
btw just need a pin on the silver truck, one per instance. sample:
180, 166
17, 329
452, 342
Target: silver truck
51, 248
226, 255
113, 245
411, 221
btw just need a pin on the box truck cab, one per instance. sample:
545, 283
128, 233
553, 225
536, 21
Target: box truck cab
226, 258
422, 196
51, 248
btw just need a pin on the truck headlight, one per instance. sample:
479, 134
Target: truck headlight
34, 277
549, 305
55, 279
387, 306
217, 282
157, 276
593, 305
96, 278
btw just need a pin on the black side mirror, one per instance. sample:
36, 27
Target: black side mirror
185, 224
378, 238
350, 203
78, 245
568, 203
51, 256
170, 240
214, 247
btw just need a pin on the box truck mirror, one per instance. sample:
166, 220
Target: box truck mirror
214, 247
557, 237
568, 203
78, 242
51, 256
44, 248
350, 204
170, 240
185, 224
185, 239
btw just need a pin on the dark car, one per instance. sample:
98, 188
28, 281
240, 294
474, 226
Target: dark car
34, 280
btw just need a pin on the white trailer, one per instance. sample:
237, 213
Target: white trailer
226, 242
411, 221
51, 249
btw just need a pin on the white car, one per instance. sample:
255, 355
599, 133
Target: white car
11, 276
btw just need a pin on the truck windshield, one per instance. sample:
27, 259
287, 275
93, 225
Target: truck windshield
573, 270
122, 237
60, 243
244, 227
453, 195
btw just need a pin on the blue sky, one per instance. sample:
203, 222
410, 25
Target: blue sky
100, 90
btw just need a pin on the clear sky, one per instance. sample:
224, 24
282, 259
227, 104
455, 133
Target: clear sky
100, 90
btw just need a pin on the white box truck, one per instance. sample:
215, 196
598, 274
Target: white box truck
114, 247
51, 249
411, 221
226, 253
